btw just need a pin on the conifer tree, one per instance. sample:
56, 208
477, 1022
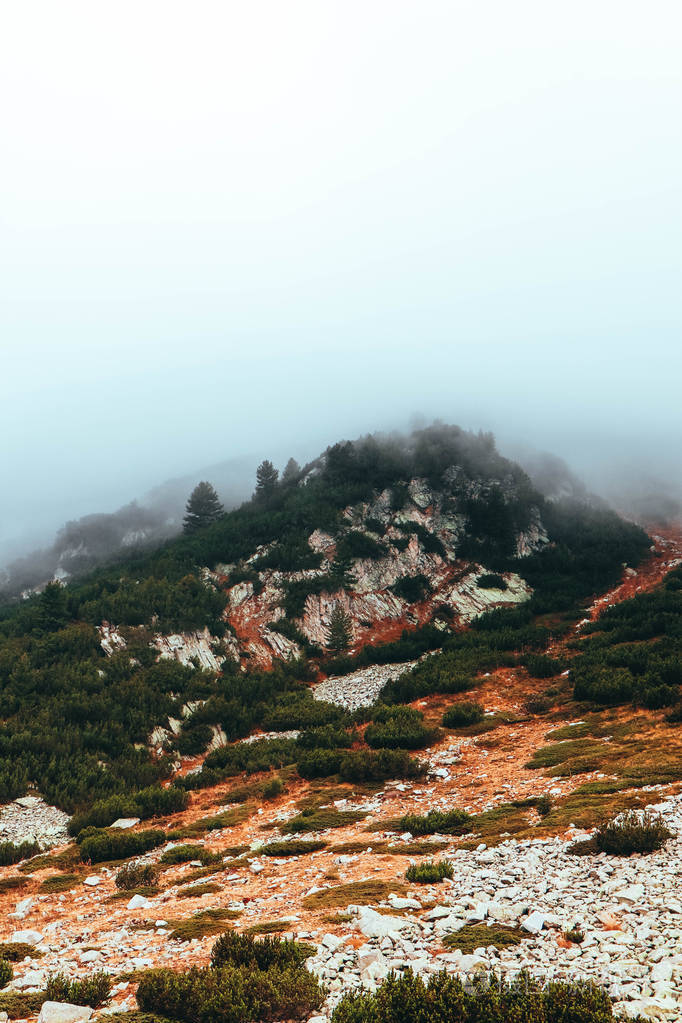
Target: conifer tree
291, 471
340, 631
203, 508
266, 480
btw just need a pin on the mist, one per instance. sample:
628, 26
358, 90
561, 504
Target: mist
233, 232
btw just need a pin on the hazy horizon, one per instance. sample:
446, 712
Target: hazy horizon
235, 231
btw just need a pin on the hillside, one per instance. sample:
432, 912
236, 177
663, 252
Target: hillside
504, 678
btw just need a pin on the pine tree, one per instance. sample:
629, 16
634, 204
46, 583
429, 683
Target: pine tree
53, 613
266, 480
340, 631
202, 509
291, 471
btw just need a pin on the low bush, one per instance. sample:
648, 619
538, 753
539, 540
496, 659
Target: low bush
272, 788
359, 765
320, 819
15, 951
154, 801
6, 973
429, 872
230, 994
136, 875
359, 545
450, 822
399, 728
464, 713
15, 852
294, 848
186, 853
472, 936
233, 949
542, 666
382, 765
98, 846
629, 833
93, 991
203, 924
194, 740
445, 999
412, 588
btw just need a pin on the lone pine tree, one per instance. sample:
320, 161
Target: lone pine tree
203, 508
340, 630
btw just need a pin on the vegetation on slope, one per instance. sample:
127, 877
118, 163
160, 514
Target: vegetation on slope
76, 723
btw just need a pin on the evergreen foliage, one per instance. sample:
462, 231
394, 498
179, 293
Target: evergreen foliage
203, 508
266, 480
340, 631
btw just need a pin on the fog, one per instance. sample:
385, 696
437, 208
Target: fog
235, 231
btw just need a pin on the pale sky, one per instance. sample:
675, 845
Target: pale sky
249, 227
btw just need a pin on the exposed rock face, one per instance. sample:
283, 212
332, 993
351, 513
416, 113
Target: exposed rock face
191, 647
375, 610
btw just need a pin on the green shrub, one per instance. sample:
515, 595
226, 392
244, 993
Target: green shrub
319, 763
412, 588
542, 666
450, 822
472, 936
6, 973
398, 728
630, 833
359, 545
186, 853
194, 739
445, 999
429, 872
464, 713
93, 991
98, 846
154, 801
233, 949
272, 788
15, 951
293, 848
231, 994
136, 875
15, 852
382, 765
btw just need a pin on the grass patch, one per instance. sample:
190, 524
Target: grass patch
66, 860
60, 882
203, 924
10, 884
571, 752
197, 890
21, 1006
473, 936
270, 927
226, 819
361, 892
15, 951
321, 819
